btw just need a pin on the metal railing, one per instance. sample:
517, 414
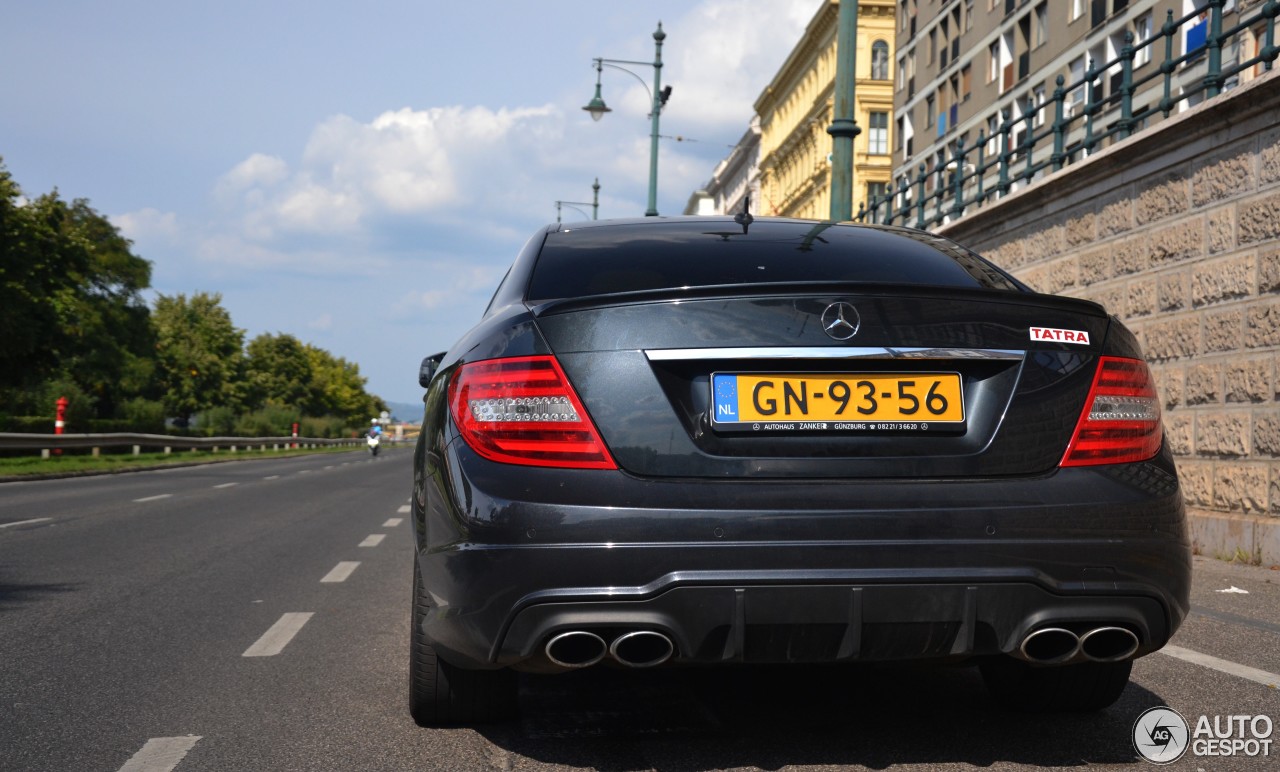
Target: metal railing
1030, 148
48, 442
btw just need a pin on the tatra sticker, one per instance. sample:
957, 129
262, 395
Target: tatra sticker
1080, 337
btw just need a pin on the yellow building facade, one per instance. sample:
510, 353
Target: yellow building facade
796, 109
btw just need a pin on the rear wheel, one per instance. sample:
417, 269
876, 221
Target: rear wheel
1082, 687
440, 693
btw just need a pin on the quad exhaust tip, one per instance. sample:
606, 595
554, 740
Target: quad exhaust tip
1057, 645
1109, 644
1050, 646
576, 648
642, 648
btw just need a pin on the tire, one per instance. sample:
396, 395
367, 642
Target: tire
440, 693
1087, 686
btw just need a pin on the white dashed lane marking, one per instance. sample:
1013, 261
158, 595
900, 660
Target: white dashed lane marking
1223, 666
403, 510
26, 522
272, 477
160, 754
152, 498
393, 522
373, 540
227, 485
340, 572
274, 640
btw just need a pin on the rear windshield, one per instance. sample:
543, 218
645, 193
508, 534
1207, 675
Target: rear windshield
630, 257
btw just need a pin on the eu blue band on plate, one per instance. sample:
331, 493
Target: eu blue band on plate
726, 397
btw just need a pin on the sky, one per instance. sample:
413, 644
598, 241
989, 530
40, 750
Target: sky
360, 175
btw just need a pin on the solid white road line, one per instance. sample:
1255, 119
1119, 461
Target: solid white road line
227, 485
1223, 666
393, 522
340, 572
152, 498
160, 754
373, 540
403, 510
26, 522
274, 640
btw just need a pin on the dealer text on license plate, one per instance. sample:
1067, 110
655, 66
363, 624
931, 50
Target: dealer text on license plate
837, 401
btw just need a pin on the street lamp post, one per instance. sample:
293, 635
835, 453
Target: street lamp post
595, 203
658, 98
844, 117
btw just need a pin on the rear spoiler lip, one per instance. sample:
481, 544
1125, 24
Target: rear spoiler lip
773, 289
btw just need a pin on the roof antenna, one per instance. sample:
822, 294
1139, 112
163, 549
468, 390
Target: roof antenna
744, 217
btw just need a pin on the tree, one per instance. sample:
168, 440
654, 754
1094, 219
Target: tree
337, 388
199, 354
70, 299
277, 371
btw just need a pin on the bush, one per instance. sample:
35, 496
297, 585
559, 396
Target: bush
270, 421
142, 415
216, 422
324, 427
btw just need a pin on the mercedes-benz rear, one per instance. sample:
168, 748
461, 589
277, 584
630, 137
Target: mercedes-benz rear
703, 441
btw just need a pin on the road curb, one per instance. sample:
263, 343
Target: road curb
1253, 539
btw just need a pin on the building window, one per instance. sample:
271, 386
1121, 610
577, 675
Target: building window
933, 45
968, 15
931, 111
1142, 33
993, 61
1042, 24
876, 193
879, 60
878, 137
1077, 9
966, 82
1075, 97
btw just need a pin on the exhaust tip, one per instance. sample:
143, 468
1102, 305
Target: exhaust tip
576, 648
1050, 646
643, 648
1109, 644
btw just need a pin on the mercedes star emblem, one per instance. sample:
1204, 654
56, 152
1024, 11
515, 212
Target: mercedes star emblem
840, 321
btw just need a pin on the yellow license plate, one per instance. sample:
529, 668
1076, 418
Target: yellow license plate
837, 401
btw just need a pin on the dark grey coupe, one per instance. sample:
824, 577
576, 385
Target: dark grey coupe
702, 441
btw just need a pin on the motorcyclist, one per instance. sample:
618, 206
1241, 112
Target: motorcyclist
374, 437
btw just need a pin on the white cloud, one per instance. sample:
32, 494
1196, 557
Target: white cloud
452, 286
323, 323
256, 171
148, 225
718, 59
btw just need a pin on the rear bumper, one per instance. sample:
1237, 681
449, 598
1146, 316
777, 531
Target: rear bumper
831, 571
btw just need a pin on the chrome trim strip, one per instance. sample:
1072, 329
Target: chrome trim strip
831, 352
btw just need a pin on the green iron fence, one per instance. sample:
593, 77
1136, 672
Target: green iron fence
1029, 147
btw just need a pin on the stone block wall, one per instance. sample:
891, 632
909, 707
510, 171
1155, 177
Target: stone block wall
1177, 232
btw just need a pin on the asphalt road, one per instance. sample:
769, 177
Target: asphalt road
247, 616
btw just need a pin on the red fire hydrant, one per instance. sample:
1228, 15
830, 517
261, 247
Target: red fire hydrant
60, 421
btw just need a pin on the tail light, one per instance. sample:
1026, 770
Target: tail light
1121, 418
523, 411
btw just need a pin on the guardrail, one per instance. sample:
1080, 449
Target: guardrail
1087, 113
46, 443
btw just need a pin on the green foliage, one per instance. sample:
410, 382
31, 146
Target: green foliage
277, 371
70, 298
217, 422
270, 421
198, 354
74, 323
328, 427
143, 415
